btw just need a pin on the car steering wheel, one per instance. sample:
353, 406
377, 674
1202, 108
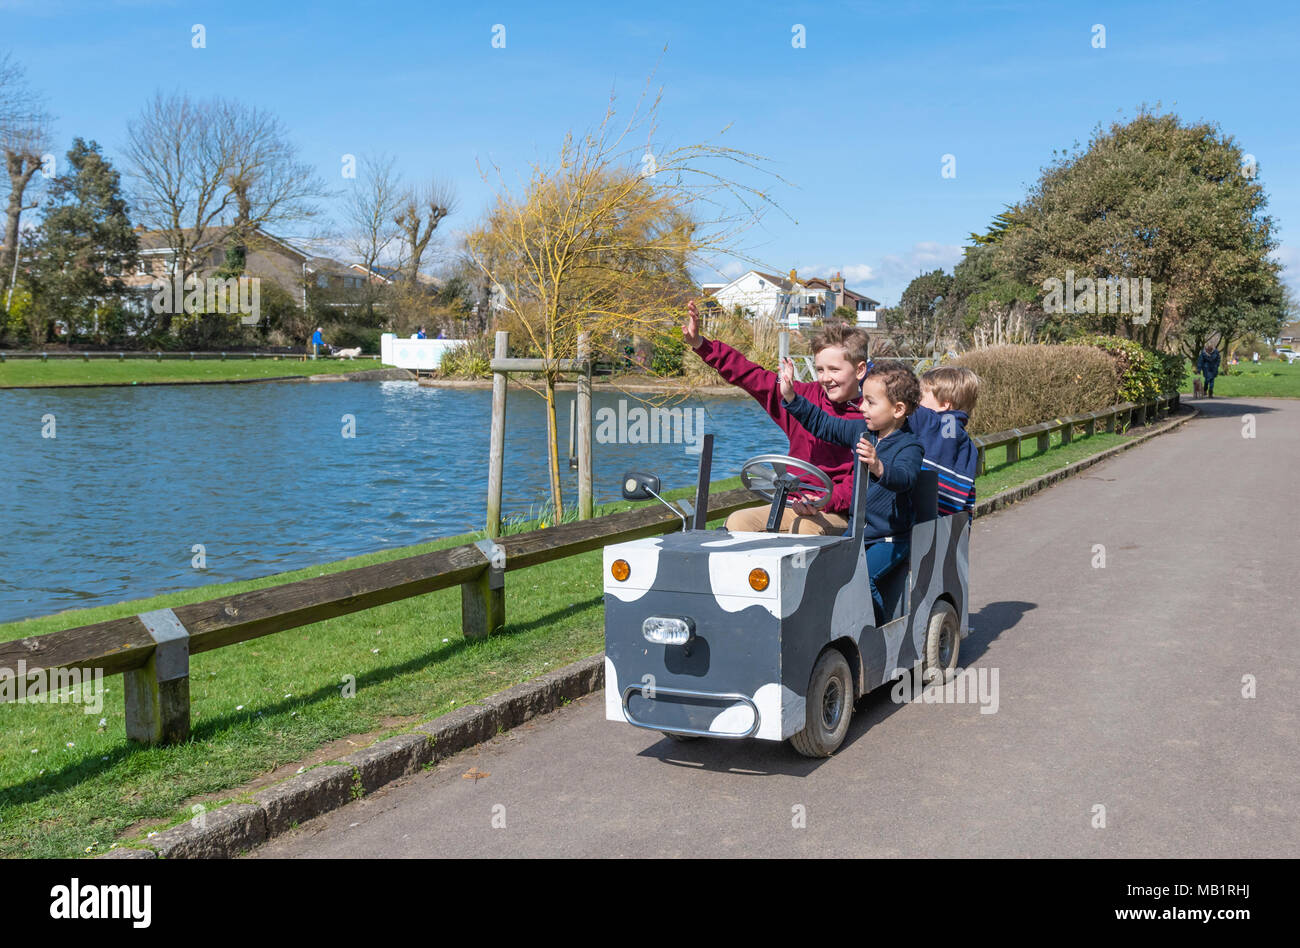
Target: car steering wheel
760, 473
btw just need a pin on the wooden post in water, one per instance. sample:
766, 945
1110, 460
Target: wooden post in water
496, 455
585, 508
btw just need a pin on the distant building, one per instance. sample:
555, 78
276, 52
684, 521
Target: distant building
766, 295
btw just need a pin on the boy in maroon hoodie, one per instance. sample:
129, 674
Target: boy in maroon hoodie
840, 357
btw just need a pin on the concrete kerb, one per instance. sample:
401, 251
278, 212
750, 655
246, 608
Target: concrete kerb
238, 827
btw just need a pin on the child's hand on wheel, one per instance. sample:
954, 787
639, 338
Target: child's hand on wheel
802, 509
787, 379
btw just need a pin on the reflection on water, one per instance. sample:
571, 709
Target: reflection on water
263, 478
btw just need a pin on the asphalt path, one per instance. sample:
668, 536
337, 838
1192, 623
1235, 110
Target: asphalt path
1122, 696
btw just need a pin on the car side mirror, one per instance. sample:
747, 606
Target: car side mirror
638, 486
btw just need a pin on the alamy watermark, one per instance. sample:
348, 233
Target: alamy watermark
54, 686
1127, 295
655, 425
959, 686
242, 295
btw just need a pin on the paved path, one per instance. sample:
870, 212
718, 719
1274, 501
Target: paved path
1118, 686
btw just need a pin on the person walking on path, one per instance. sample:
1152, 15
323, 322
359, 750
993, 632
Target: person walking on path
317, 340
1207, 363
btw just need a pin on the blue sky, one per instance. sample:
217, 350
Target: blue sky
858, 120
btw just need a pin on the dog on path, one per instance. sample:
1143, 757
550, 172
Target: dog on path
347, 353
1198, 388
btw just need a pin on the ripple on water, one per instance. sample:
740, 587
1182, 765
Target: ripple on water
262, 477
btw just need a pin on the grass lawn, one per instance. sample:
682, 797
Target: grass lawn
101, 370
1265, 380
71, 783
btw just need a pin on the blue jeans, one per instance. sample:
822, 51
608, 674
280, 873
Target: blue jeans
881, 558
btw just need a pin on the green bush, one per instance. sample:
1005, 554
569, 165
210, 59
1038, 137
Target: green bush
668, 351
470, 361
1023, 385
349, 337
1142, 374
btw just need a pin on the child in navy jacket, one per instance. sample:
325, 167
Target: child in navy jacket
948, 396
892, 455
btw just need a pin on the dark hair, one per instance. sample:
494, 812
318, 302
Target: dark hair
900, 383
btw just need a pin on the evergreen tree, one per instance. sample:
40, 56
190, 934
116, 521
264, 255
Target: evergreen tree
85, 243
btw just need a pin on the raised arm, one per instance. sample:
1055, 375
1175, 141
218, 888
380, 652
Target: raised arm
845, 431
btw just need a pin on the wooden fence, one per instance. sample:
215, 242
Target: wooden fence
152, 650
1112, 418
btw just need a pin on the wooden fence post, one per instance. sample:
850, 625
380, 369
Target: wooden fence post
157, 695
585, 507
1013, 449
496, 454
483, 600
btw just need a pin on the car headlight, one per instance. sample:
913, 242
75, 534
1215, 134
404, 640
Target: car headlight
668, 630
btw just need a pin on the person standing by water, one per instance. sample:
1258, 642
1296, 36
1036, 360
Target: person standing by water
1207, 363
317, 340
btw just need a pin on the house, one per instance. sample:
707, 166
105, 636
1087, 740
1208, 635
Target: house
265, 256
766, 295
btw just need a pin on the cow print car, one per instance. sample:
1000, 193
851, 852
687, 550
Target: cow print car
711, 633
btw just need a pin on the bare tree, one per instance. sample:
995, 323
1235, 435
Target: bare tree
266, 180
418, 217
24, 140
371, 212
194, 161
601, 241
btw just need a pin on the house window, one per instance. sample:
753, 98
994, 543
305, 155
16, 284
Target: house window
322, 280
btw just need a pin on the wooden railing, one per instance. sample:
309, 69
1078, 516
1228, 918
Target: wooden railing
152, 650
1127, 414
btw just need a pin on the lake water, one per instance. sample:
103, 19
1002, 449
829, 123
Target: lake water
261, 475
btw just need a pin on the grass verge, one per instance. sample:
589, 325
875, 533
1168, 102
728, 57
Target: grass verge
71, 784
1249, 379
109, 371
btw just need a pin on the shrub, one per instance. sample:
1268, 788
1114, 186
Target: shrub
470, 361
1023, 385
669, 350
349, 337
1142, 374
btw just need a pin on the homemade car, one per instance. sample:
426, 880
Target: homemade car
712, 633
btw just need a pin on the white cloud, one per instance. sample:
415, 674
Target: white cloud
897, 270
853, 273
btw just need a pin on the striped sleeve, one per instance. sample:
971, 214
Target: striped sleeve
956, 491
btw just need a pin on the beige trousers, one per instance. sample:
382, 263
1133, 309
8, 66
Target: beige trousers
754, 520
